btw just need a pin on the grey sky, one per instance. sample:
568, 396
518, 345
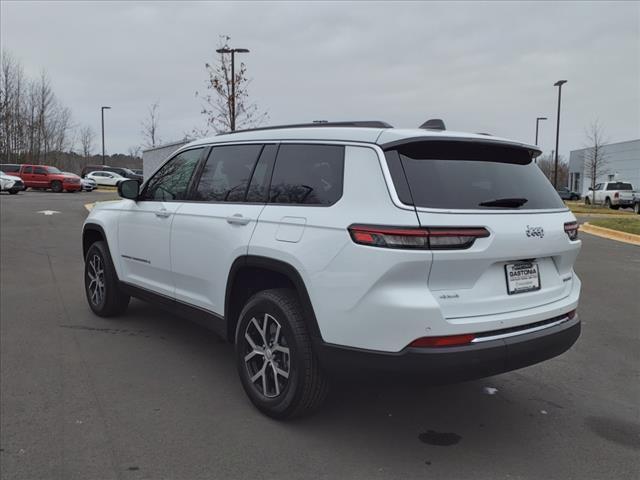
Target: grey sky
482, 67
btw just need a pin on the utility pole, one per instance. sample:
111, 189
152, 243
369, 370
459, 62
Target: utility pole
558, 84
232, 100
102, 109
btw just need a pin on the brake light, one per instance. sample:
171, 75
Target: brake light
616, 195
571, 229
428, 238
448, 341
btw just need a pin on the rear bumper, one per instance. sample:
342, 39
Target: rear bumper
452, 364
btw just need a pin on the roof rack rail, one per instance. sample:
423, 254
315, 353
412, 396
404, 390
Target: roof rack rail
316, 124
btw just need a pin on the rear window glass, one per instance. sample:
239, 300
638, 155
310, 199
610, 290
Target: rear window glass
471, 176
619, 186
10, 168
308, 175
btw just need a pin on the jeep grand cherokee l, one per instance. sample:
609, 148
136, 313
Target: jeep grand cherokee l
347, 246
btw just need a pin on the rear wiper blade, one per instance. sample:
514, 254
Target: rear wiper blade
504, 202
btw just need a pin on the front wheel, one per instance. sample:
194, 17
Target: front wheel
101, 282
13, 192
277, 366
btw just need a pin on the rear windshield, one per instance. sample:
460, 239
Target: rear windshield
470, 176
619, 186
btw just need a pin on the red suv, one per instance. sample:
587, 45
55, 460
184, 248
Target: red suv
46, 177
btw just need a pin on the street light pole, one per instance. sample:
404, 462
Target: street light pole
558, 84
232, 100
537, 122
102, 109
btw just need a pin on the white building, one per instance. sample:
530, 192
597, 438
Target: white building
152, 158
622, 164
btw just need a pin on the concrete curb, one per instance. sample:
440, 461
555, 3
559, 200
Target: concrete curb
610, 234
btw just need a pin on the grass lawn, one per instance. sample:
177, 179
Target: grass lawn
628, 225
580, 207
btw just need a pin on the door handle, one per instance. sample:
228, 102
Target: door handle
163, 213
238, 219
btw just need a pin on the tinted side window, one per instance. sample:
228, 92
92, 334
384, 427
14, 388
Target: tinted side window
226, 175
171, 182
28, 170
308, 174
7, 168
40, 171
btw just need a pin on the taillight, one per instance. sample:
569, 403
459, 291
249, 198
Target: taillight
448, 341
428, 238
616, 195
571, 229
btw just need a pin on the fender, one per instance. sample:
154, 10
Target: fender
278, 266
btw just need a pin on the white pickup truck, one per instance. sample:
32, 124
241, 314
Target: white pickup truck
611, 194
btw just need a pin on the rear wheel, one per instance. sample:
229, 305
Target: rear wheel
607, 202
636, 208
101, 282
277, 366
56, 186
587, 201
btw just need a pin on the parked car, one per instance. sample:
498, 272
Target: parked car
351, 247
48, 177
124, 172
105, 178
11, 183
10, 168
137, 171
611, 194
88, 185
567, 194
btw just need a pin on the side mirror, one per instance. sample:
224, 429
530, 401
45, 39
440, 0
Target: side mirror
129, 189
590, 189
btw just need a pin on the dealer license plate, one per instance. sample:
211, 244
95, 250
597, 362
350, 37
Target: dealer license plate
522, 277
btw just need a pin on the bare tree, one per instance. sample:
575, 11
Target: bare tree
546, 163
218, 100
87, 137
595, 161
134, 151
150, 127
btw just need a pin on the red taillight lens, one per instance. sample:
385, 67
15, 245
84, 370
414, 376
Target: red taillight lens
616, 195
571, 229
434, 238
449, 341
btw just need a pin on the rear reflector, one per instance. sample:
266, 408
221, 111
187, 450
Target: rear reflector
449, 341
571, 229
429, 238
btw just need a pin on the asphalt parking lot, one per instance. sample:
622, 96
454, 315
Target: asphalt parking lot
151, 396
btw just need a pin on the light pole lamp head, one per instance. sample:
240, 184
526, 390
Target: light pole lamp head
105, 108
223, 50
559, 83
541, 118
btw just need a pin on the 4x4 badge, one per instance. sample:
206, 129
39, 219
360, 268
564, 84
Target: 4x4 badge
535, 231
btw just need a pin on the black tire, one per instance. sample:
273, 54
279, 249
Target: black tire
607, 202
614, 207
636, 208
56, 186
112, 301
305, 387
13, 192
587, 201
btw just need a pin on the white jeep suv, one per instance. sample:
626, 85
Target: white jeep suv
339, 246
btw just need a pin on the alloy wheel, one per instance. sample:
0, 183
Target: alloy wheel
266, 355
96, 286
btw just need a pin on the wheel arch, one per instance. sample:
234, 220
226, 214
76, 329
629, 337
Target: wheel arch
252, 273
91, 233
